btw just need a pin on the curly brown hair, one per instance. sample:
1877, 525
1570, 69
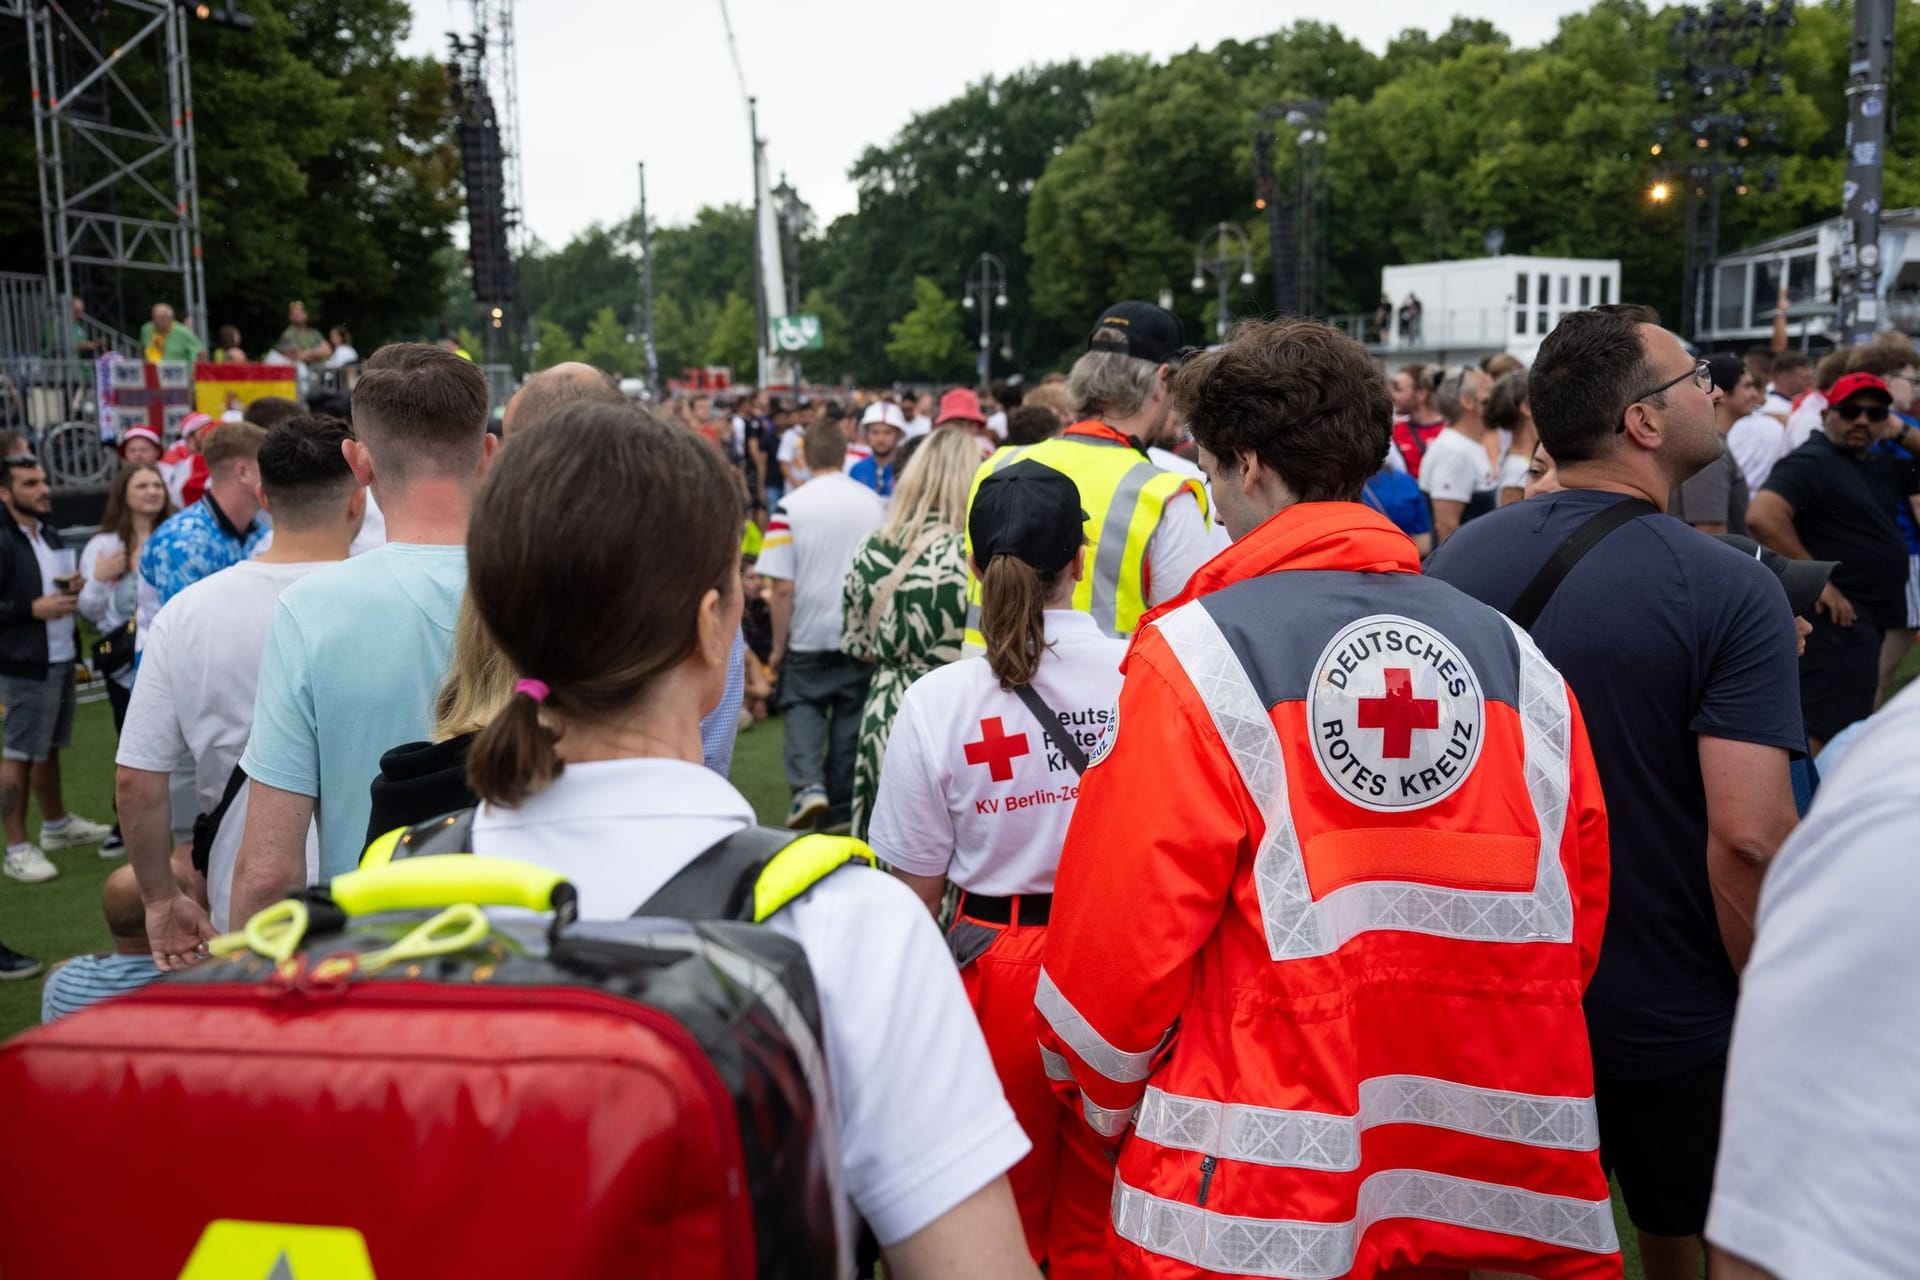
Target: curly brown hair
1300, 395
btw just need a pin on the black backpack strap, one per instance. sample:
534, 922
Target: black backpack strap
449, 833
752, 874
207, 825
1050, 721
1533, 599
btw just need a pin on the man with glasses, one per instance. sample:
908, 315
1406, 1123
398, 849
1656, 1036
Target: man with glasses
1681, 652
1836, 498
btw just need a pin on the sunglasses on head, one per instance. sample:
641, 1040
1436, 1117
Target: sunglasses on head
1855, 412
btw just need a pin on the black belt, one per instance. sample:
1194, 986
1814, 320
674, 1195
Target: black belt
1026, 909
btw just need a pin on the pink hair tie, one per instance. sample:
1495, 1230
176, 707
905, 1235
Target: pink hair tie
535, 689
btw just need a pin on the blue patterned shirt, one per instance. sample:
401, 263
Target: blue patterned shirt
722, 725
192, 544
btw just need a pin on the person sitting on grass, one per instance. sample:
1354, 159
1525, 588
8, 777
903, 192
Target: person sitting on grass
89, 979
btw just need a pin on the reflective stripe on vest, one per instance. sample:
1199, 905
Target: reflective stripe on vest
1231, 1245
1296, 925
1115, 1064
1124, 496
1317, 1140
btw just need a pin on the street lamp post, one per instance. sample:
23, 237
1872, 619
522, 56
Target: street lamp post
1228, 237
986, 283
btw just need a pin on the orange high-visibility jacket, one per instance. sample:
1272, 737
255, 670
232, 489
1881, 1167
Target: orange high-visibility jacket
1329, 902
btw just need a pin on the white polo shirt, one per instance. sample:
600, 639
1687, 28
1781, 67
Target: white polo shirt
792, 451
811, 540
903, 1047
972, 787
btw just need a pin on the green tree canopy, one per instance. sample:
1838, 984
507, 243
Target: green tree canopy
927, 342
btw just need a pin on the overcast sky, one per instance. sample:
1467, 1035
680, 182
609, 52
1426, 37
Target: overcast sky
606, 83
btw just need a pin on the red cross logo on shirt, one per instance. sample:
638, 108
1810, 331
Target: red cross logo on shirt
996, 749
1398, 713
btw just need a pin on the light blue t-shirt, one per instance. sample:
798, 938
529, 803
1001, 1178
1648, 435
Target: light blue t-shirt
353, 662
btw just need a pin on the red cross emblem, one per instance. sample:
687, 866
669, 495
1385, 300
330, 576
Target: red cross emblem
1398, 714
996, 749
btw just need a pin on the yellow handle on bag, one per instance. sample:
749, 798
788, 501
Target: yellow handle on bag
444, 880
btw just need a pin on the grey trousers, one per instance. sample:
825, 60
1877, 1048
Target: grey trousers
822, 697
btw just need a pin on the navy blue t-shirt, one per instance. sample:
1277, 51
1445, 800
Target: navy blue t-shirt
1664, 635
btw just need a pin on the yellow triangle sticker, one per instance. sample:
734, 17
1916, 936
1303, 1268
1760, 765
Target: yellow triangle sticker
234, 1250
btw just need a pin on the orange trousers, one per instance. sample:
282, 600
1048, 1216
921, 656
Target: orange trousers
1065, 1185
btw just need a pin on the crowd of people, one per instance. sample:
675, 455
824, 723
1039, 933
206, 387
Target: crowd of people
1322, 818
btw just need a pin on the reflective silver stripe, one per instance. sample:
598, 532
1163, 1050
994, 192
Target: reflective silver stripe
1296, 925
1258, 1135
1057, 1066
1317, 1140
1111, 553
1233, 1245
1108, 1123
1115, 1064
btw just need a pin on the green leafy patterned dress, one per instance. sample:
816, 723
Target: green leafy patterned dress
919, 628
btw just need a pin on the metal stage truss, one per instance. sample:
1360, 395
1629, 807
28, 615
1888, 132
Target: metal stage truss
113, 139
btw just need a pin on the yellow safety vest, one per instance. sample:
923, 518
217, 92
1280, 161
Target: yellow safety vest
1124, 496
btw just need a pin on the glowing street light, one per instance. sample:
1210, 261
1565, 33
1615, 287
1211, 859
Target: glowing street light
1660, 192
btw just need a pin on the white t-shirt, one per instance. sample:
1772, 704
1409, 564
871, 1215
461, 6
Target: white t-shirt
972, 789
1455, 468
903, 1047
193, 703
1180, 544
1513, 471
997, 424
1756, 442
792, 453
919, 425
1821, 1136
811, 540
60, 646
1804, 421
343, 355
1218, 539
1777, 405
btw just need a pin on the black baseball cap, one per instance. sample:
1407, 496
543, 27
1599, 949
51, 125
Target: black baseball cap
1727, 370
1153, 333
1029, 511
1803, 579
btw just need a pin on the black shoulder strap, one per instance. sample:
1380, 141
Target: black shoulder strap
449, 833
207, 825
1051, 722
718, 885
1533, 600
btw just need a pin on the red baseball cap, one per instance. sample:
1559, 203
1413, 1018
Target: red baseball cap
139, 433
1853, 384
194, 422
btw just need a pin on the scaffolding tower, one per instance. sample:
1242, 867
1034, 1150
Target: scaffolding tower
113, 143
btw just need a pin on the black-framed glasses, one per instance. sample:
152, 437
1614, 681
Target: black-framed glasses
1854, 412
1701, 373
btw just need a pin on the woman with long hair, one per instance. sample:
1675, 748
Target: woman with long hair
619, 609
136, 504
981, 777
904, 607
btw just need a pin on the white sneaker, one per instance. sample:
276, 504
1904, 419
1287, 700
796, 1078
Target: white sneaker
29, 865
77, 832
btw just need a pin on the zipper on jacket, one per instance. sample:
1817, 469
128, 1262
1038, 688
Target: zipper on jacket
1207, 1165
